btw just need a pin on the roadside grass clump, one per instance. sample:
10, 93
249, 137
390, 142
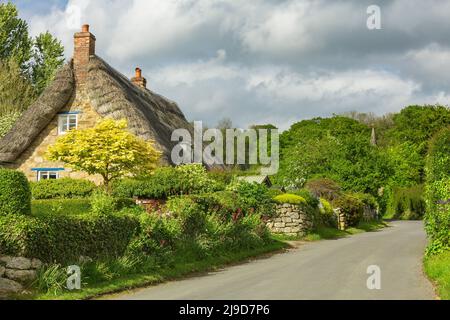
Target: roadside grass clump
51, 279
437, 267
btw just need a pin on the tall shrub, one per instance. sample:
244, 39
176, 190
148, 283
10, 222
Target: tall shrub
437, 217
15, 194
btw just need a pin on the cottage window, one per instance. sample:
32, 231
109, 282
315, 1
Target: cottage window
47, 175
67, 122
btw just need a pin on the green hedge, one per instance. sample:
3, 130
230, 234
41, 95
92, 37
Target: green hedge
60, 206
167, 182
65, 238
437, 193
15, 194
290, 199
65, 188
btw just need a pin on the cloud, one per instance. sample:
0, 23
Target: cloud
274, 61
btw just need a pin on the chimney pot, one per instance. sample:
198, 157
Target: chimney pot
138, 73
85, 28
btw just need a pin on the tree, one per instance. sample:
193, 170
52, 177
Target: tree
48, 56
15, 41
16, 91
108, 149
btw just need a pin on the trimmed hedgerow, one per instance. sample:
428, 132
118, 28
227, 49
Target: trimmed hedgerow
437, 193
60, 206
65, 238
65, 188
15, 194
167, 182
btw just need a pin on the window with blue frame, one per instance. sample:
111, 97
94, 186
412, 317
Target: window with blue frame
47, 173
67, 121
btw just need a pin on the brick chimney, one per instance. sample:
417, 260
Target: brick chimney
84, 48
138, 79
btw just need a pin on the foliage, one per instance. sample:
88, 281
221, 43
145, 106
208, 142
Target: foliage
337, 148
290, 199
352, 207
48, 56
51, 279
327, 215
16, 93
15, 194
406, 203
65, 238
65, 188
253, 196
166, 182
38, 58
437, 194
7, 122
437, 268
324, 188
311, 199
15, 41
108, 149
60, 206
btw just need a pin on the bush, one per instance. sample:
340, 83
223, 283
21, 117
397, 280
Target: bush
15, 194
437, 193
324, 188
253, 197
167, 182
65, 238
327, 216
406, 203
290, 199
352, 207
310, 198
65, 188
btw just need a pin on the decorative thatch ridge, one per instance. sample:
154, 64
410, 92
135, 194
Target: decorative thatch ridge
150, 116
38, 115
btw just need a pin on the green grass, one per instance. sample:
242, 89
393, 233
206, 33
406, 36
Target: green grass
328, 233
438, 270
177, 270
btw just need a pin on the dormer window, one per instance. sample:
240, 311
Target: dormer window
67, 122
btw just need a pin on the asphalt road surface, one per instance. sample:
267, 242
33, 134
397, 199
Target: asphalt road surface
331, 269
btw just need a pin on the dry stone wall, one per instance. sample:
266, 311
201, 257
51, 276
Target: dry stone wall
290, 220
16, 272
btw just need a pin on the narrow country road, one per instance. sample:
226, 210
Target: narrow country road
332, 269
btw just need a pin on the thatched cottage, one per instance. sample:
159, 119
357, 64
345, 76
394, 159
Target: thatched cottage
84, 91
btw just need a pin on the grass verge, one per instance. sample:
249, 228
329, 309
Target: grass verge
179, 270
438, 270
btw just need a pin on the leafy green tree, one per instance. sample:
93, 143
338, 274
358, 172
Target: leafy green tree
48, 56
16, 91
108, 149
15, 41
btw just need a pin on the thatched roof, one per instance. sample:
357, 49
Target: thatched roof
37, 117
149, 115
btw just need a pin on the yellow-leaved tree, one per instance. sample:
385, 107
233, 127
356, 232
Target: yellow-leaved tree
108, 149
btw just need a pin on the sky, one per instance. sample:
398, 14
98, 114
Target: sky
266, 61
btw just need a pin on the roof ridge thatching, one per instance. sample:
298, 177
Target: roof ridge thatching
150, 115
38, 115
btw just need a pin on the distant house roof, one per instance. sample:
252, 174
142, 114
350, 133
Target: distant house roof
257, 179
